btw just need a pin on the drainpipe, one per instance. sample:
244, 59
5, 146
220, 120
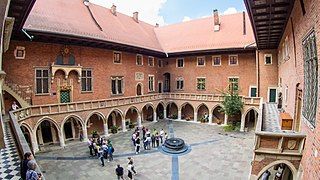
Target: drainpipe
258, 73
28, 35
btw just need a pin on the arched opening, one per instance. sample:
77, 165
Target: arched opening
187, 112
160, 111
235, 119
27, 135
172, 111
203, 113
8, 101
131, 118
95, 124
115, 120
147, 113
47, 133
251, 120
217, 115
72, 128
139, 89
279, 171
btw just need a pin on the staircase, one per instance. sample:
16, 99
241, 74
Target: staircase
22, 94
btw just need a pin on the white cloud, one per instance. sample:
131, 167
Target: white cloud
186, 18
148, 10
230, 10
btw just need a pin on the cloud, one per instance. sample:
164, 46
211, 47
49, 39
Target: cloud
230, 10
186, 18
148, 10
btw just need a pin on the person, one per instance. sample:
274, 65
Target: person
153, 141
119, 172
144, 132
157, 139
95, 148
110, 152
145, 142
24, 165
90, 145
133, 138
148, 133
137, 145
31, 173
165, 136
129, 168
205, 117
148, 139
105, 150
81, 137
130, 160
265, 175
161, 136
14, 106
279, 172
101, 156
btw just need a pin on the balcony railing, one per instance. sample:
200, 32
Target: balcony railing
50, 109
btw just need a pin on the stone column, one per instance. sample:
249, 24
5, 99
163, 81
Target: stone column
179, 114
73, 130
139, 121
210, 118
164, 114
225, 119
154, 116
195, 117
34, 141
106, 130
85, 133
124, 128
243, 120
40, 134
61, 139
53, 133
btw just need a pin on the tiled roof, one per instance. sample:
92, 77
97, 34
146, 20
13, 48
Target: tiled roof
74, 19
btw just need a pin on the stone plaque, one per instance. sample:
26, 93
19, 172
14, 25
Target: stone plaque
139, 76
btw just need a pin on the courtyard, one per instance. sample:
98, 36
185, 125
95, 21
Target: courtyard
215, 154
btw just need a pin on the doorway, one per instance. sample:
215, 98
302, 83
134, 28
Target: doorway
160, 87
46, 132
68, 130
272, 95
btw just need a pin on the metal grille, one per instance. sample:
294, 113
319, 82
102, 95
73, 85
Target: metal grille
310, 78
64, 96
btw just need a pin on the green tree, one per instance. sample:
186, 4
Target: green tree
232, 104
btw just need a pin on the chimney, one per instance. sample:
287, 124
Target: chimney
135, 16
244, 23
157, 25
216, 20
114, 10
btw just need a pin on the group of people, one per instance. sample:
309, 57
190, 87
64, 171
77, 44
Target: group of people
101, 148
130, 168
28, 167
149, 139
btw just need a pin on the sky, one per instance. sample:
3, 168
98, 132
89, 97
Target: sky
165, 12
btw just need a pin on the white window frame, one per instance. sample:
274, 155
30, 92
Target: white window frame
87, 69
273, 87
204, 58
120, 57
229, 60
250, 87
213, 60
122, 89
153, 85
205, 79
141, 60
152, 61
234, 77
265, 59
177, 62
180, 79
160, 63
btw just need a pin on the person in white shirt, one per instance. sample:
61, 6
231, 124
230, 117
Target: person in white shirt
161, 135
14, 106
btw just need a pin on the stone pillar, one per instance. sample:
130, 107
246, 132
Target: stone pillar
243, 121
73, 130
34, 141
124, 128
210, 118
195, 116
154, 116
179, 114
85, 133
53, 133
106, 130
164, 114
139, 121
40, 135
61, 139
225, 119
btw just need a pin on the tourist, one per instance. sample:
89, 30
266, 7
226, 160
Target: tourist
119, 172
24, 165
153, 141
148, 133
130, 161
265, 175
161, 135
81, 137
148, 139
145, 142
95, 148
110, 152
133, 138
90, 145
101, 156
137, 145
105, 150
143, 132
14, 106
157, 139
31, 173
154, 131
129, 168
165, 136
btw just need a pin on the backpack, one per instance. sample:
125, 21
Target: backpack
112, 149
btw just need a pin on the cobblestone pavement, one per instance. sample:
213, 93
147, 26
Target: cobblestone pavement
214, 155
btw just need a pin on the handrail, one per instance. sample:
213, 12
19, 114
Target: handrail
22, 144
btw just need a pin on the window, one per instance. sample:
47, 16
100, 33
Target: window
268, 59
180, 83
285, 49
216, 60
233, 84
160, 63
86, 80
42, 81
151, 61
117, 57
139, 60
253, 91
201, 61
180, 62
117, 85
286, 94
310, 97
233, 60
151, 83
20, 52
201, 83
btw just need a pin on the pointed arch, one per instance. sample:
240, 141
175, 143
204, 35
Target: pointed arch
98, 114
288, 163
46, 118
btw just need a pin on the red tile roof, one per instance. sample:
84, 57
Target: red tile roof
73, 18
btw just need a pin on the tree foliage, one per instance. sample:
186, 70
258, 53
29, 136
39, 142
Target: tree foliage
232, 104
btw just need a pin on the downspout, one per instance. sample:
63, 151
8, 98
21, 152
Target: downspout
28, 35
258, 73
